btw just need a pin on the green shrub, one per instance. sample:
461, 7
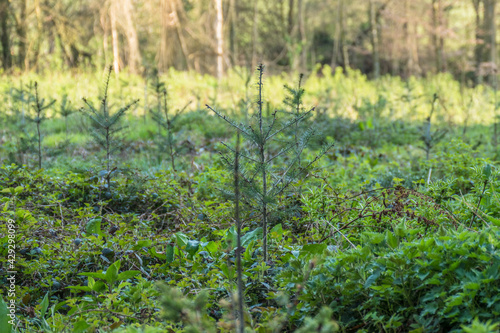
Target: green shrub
436, 283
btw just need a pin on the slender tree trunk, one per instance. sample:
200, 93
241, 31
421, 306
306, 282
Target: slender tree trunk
343, 24
180, 36
255, 33
436, 31
490, 38
375, 40
302, 35
164, 42
241, 322
262, 161
478, 42
21, 32
39, 24
219, 37
114, 37
443, 26
39, 143
4, 38
336, 41
233, 13
410, 47
134, 54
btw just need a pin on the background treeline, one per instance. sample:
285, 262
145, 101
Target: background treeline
399, 37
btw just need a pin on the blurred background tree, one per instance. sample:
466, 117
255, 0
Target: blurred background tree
398, 37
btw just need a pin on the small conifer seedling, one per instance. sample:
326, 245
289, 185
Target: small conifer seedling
261, 181
429, 138
40, 108
66, 110
165, 121
105, 126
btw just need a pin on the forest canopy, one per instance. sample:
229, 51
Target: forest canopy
378, 37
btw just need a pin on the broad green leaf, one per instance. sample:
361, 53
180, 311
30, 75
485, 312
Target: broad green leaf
169, 253
99, 286
44, 305
98, 275
82, 288
231, 237
212, 247
372, 278
487, 170
494, 220
392, 240
192, 247
313, 249
181, 239
93, 226
251, 236
112, 272
142, 243
4, 318
155, 254
80, 326
127, 275
278, 229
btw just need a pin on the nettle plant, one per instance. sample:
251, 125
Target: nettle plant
106, 128
261, 180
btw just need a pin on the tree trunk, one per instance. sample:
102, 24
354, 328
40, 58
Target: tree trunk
39, 29
219, 37
478, 42
105, 29
21, 32
180, 36
343, 40
375, 41
4, 38
164, 42
436, 33
336, 41
406, 29
490, 39
233, 13
114, 37
134, 54
255, 33
302, 35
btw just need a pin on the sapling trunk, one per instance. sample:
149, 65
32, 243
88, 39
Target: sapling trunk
263, 166
241, 322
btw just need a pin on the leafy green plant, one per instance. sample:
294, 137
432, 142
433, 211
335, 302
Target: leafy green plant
108, 278
390, 282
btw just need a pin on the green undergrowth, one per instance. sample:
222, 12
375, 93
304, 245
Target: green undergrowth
394, 229
395, 258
